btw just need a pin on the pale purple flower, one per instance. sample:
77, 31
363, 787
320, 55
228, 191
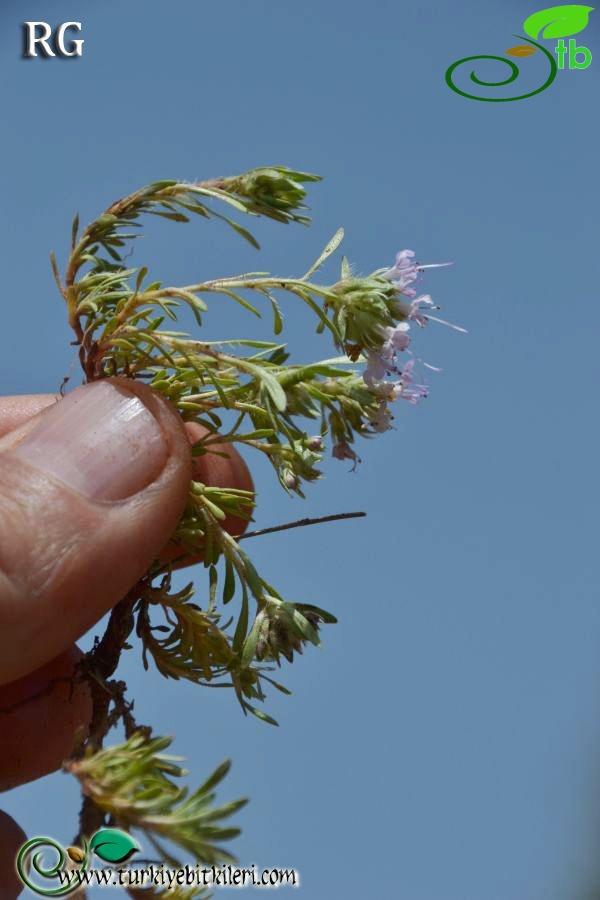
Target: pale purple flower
406, 388
382, 419
383, 374
415, 313
397, 338
377, 367
382, 362
404, 272
416, 307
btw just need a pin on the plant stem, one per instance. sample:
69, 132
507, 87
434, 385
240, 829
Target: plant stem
300, 523
100, 664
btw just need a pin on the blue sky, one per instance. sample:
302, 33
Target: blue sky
444, 743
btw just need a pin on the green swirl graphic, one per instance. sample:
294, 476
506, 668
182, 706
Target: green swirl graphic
41, 844
512, 77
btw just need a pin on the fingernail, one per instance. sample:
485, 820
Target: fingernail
100, 440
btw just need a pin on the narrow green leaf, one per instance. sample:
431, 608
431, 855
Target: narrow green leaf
325, 322
159, 186
74, 230
249, 648
277, 685
277, 315
243, 232
229, 585
330, 248
273, 388
219, 195
242, 625
140, 277
172, 216
262, 715
213, 580
305, 628
213, 780
254, 582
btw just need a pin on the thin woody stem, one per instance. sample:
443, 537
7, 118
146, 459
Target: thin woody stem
101, 664
300, 523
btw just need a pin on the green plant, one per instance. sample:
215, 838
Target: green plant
250, 393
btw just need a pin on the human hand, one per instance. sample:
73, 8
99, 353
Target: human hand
91, 489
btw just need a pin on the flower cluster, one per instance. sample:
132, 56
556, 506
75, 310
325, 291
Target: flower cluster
384, 375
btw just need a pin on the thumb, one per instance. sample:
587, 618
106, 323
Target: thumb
91, 490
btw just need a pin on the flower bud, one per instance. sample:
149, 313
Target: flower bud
290, 480
276, 192
283, 628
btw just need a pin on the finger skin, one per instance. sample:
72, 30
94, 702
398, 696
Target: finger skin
88, 554
210, 469
222, 466
41, 716
213, 469
14, 411
47, 701
12, 837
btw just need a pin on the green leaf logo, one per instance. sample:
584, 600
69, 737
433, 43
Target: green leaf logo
113, 846
557, 21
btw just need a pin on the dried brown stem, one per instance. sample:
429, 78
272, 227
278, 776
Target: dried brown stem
98, 666
300, 523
